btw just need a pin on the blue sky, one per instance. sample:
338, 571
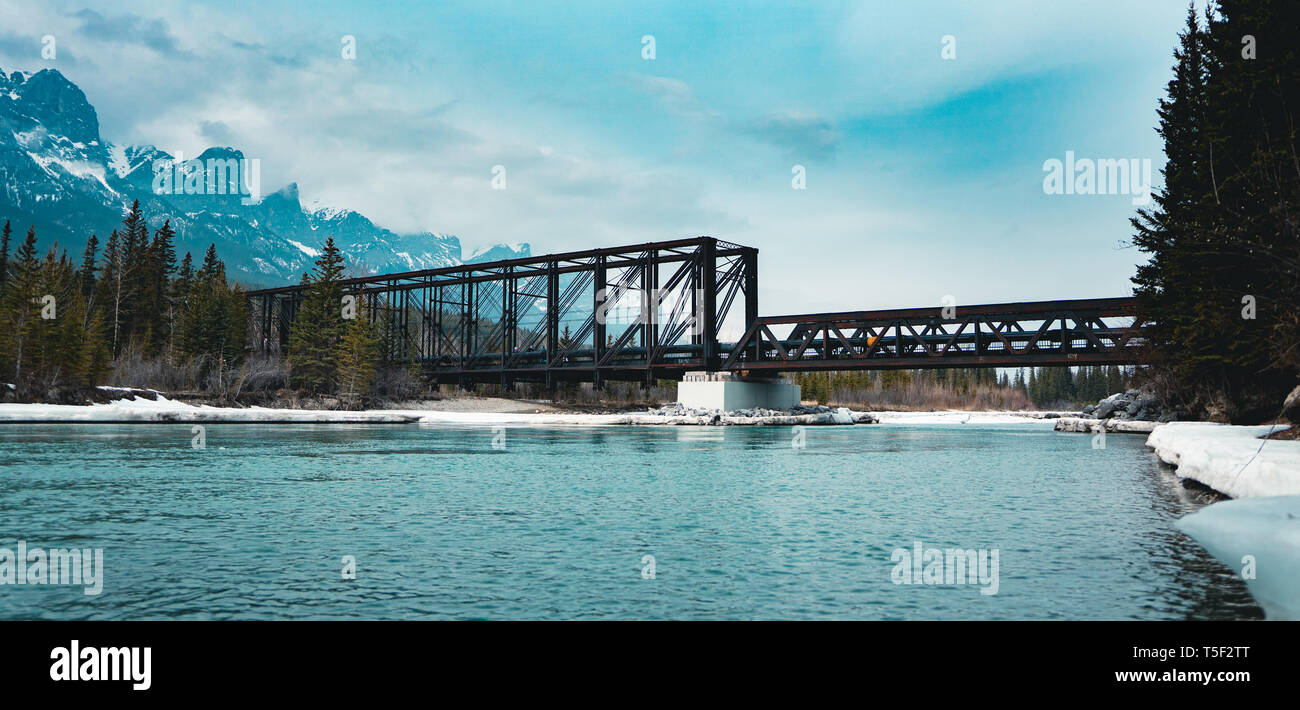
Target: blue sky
924, 174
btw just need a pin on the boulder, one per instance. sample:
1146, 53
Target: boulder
1144, 408
1291, 406
1144, 402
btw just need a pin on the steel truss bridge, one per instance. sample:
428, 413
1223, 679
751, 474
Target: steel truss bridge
650, 311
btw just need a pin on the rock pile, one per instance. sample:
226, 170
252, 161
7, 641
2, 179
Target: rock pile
1134, 405
677, 409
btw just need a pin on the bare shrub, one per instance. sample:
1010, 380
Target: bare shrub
397, 383
925, 396
259, 375
133, 369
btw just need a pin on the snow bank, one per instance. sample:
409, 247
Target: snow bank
1230, 459
165, 410
840, 416
516, 419
954, 416
1085, 425
1265, 529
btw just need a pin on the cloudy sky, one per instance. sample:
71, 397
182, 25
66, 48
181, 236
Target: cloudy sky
924, 174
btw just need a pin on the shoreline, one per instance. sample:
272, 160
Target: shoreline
1231, 460
479, 411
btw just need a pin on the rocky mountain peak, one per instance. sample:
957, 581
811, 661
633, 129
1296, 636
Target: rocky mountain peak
59, 176
49, 99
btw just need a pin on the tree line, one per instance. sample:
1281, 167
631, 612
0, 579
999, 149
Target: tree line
1223, 281
131, 314
964, 388
64, 325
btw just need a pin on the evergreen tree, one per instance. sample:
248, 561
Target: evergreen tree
357, 356
1223, 233
96, 354
86, 275
1165, 287
158, 304
213, 320
21, 311
1253, 105
318, 327
4, 256
133, 276
59, 339
184, 278
112, 290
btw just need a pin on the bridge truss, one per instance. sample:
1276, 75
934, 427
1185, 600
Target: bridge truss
660, 306
1102, 331
654, 310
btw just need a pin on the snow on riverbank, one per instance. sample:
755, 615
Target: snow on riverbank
954, 416
1084, 425
840, 417
1230, 459
1260, 539
140, 409
165, 410
515, 418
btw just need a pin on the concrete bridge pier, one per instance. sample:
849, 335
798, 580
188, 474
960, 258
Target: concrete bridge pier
729, 391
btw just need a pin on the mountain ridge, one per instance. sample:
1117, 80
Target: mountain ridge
58, 174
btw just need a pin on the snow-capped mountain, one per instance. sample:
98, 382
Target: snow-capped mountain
57, 173
498, 252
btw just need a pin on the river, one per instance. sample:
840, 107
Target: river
448, 522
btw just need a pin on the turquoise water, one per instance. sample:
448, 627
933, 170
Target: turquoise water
556, 525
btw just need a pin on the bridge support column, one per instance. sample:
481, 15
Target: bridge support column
728, 392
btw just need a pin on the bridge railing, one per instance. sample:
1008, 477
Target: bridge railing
1069, 332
